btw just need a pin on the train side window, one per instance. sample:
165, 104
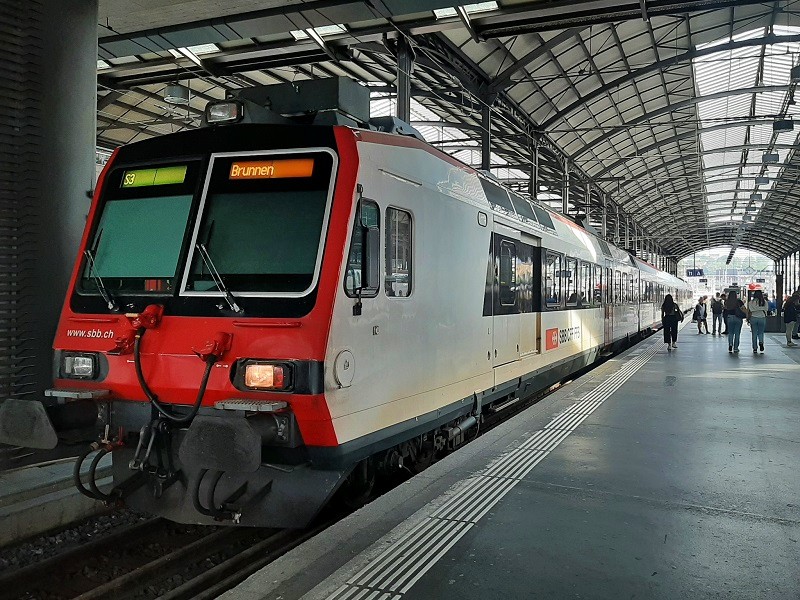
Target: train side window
609, 281
508, 274
597, 285
398, 253
626, 290
367, 218
617, 287
587, 285
553, 280
571, 280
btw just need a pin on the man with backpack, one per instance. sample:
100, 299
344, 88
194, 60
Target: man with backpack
716, 314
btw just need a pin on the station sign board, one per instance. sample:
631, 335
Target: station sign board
694, 272
704, 281
759, 280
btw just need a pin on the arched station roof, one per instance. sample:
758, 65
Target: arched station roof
661, 111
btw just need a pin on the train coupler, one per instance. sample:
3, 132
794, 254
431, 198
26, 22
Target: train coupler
155, 441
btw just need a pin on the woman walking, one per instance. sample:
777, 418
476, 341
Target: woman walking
670, 316
757, 318
736, 316
790, 316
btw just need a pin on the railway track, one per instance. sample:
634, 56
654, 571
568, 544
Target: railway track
153, 559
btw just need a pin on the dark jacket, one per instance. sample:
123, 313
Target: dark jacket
789, 312
716, 306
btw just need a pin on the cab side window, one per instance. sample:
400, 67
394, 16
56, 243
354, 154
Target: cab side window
398, 253
367, 217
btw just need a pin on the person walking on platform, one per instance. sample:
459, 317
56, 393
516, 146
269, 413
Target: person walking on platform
716, 314
671, 315
757, 318
736, 316
724, 299
790, 316
700, 314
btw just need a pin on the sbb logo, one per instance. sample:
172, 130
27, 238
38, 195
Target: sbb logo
551, 338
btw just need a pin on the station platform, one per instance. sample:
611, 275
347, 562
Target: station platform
657, 475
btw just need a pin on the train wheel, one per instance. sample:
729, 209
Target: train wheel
358, 488
424, 457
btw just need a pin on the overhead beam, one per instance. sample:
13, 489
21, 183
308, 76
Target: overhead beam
561, 14
502, 79
665, 64
676, 106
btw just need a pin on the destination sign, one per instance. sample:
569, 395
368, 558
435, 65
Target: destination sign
694, 272
148, 177
272, 169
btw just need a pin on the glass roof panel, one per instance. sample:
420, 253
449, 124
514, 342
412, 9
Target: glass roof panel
732, 151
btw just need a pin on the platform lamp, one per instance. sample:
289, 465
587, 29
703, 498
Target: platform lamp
176, 94
770, 158
762, 180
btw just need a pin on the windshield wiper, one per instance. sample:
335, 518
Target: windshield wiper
99, 280
201, 248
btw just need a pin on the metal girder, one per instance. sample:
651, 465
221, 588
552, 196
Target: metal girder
108, 99
501, 80
643, 151
649, 116
561, 14
665, 63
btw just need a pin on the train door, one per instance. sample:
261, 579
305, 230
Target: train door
505, 314
608, 305
528, 267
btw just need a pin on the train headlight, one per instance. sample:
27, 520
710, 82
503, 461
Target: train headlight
261, 375
78, 365
227, 111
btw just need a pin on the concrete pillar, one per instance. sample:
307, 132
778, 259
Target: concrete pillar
47, 166
405, 64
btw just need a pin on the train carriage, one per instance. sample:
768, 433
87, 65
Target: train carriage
264, 314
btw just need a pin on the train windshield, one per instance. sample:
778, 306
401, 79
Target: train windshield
137, 243
262, 224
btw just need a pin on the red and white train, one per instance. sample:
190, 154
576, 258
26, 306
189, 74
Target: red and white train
263, 314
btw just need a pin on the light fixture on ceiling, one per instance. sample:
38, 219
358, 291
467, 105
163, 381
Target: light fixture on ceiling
782, 125
794, 74
750, 209
176, 94
770, 157
761, 180
756, 197
791, 101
